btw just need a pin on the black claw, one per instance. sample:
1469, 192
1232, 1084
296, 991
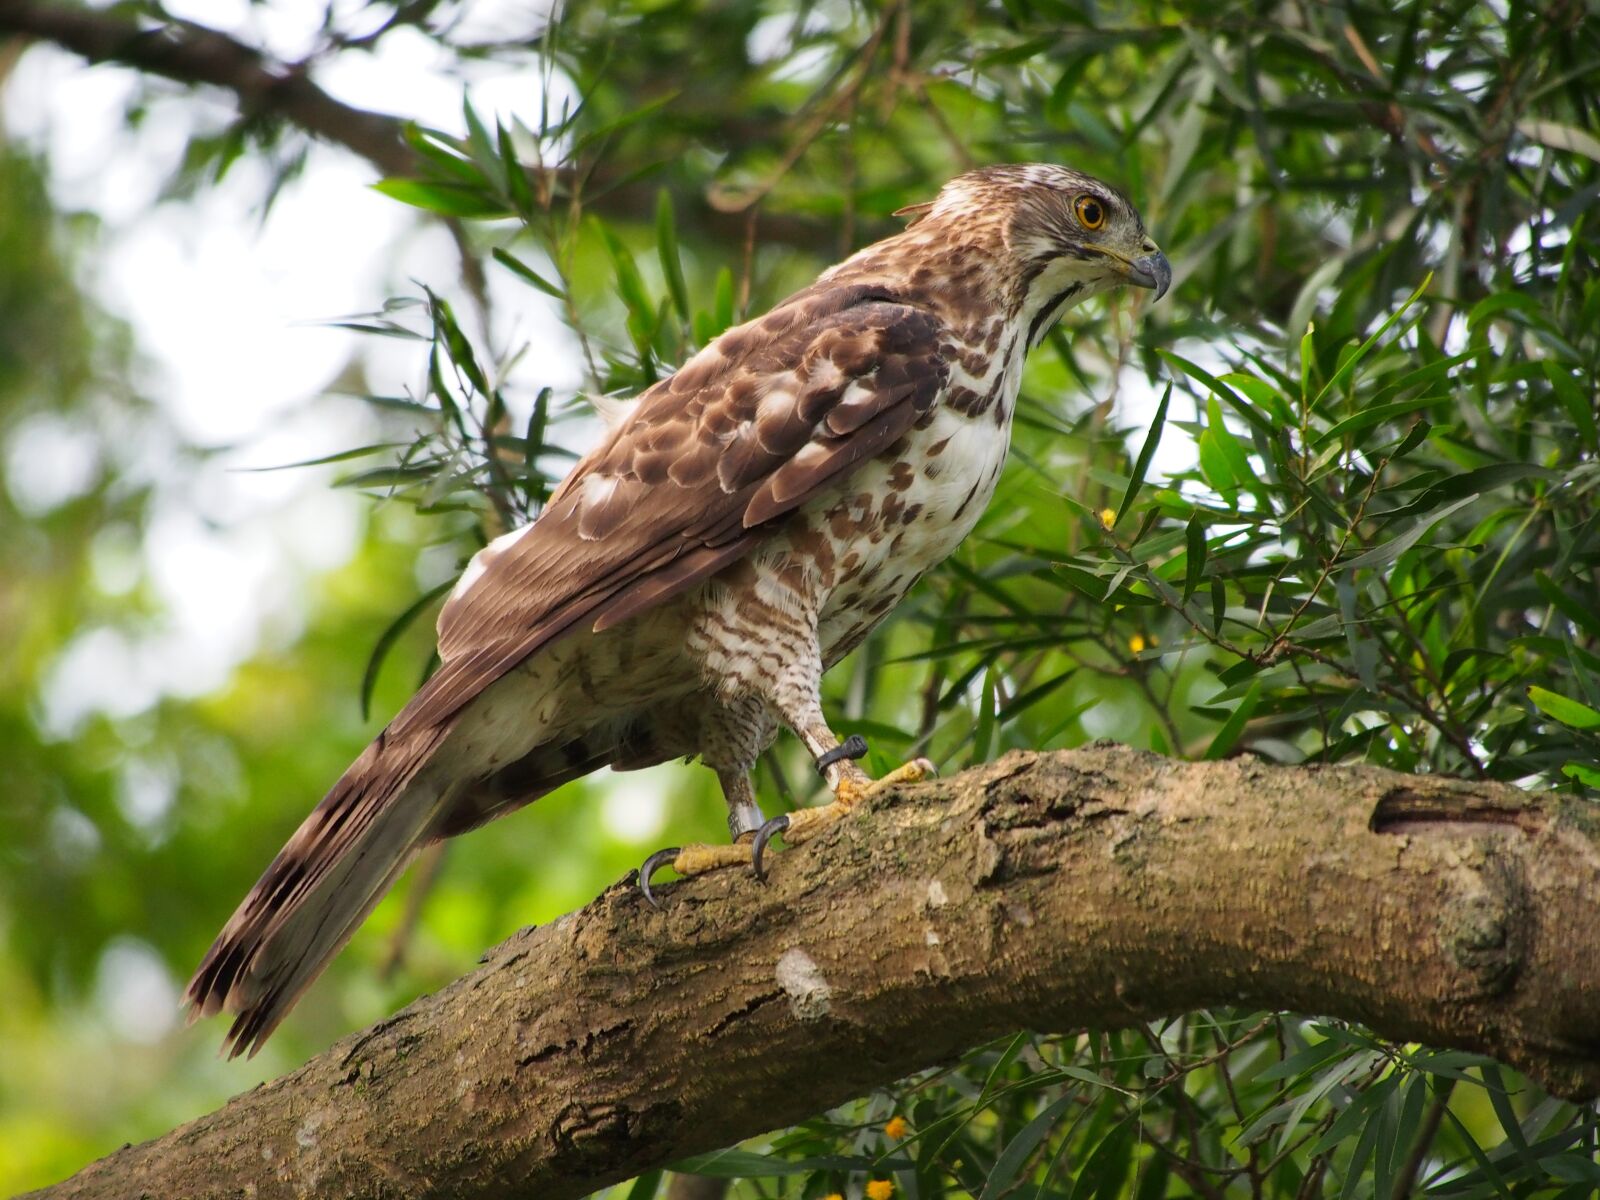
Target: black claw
854, 746
765, 834
651, 865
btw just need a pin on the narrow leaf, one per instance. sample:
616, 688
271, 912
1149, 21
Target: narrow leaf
1387, 552
667, 248
1234, 725
387, 639
449, 199
1194, 567
1146, 453
506, 259
1567, 711
1020, 1148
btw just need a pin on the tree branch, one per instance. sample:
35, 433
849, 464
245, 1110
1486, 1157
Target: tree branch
194, 55
191, 54
1096, 887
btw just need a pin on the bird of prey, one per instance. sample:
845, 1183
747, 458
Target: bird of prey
742, 528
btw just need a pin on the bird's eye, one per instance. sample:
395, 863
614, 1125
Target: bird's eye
1091, 213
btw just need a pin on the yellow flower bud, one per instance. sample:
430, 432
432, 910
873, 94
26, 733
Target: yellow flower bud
1136, 643
1108, 517
897, 1128
879, 1189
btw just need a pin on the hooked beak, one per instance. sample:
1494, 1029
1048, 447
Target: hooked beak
1151, 271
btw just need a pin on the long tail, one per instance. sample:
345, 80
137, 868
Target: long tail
321, 886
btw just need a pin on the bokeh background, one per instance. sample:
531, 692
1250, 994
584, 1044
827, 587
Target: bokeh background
1232, 522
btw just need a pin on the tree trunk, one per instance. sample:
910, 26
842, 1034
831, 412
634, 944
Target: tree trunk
1095, 887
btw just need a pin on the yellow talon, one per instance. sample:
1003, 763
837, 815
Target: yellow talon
799, 826
914, 771
698, 859
851, 791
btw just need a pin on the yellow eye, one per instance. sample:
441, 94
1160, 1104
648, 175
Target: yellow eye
1091, 213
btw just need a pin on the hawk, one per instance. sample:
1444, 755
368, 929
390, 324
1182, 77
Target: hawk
742, 528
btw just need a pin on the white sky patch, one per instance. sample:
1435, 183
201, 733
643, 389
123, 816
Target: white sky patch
74, 838
226, 302
115, 559
99, 670
135, 995
50, 459
1137, 401
633, 804
405, 76
146, 791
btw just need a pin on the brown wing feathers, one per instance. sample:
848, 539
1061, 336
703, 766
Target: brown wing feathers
766, 418
749, 430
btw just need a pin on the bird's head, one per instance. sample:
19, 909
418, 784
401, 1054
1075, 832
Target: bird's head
1065, 235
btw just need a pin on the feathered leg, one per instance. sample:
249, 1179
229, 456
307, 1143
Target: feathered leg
794, 693
797, 696
732, 736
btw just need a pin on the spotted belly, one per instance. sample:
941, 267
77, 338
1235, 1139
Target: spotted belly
898, 517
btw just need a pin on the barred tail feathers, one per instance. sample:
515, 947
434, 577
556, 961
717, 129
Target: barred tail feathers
332, 872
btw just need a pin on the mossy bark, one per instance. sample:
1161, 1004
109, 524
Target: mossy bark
1088, 888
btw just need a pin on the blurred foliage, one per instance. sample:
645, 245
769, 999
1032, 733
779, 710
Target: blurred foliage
1334, 500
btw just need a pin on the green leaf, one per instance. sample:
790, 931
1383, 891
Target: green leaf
1146, 453
667, 248
387, 639
722, 313
1215, 466
1415, 436
506, 259
442, 152
1020, 1148
1224, 440
395, 476
1194, 567
1374, 416
516, 178
1365, 348
1585, 617
630, 284
1567, 711
1234, 725
1308, 361
1106, 1168
1238, 403
448, 199
457, 346
1584, 774
1578, 402
983, 733
1387, 552
1262, 393
340, 456
479, 144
